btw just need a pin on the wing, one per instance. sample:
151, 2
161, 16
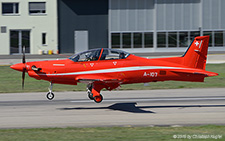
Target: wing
108, 82
93, 78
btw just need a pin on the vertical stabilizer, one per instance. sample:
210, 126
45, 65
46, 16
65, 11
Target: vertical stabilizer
196, 55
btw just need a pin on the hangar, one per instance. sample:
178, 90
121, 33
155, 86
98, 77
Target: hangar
139, 25
71, 26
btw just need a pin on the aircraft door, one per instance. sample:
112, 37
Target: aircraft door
19, 39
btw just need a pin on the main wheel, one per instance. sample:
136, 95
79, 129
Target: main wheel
50, 95
98, 99
90, 95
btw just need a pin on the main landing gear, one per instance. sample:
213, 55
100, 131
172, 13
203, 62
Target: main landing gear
94, 93
50, 95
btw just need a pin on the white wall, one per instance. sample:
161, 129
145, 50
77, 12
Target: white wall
37, 24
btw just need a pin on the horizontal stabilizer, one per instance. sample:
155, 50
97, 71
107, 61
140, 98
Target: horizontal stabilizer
197, 72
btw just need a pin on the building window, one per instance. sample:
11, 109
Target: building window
209, 33
137, 40
132, 40
115, 40
161, 39
37, 8
148, 40
126, 40
194, 34
3, 29
10, 8
44, 36
183, 39
218, 35
172, 39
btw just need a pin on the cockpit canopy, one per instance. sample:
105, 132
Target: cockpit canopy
99, 54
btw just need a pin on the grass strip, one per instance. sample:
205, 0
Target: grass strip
207, 132
11, 82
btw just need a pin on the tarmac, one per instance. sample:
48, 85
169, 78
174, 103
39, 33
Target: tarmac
173, 107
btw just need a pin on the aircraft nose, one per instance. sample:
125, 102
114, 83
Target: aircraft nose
18, 67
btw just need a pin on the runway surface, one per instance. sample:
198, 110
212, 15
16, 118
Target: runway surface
119, 108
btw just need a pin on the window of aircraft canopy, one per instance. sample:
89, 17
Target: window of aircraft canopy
90, 55
93, 55
109, 54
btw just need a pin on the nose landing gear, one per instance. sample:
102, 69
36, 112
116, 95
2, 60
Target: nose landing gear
50, 95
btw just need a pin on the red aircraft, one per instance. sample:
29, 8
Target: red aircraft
110, 68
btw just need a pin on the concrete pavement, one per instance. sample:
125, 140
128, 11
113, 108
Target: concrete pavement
182, 107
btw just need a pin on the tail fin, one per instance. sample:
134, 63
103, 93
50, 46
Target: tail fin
196, 54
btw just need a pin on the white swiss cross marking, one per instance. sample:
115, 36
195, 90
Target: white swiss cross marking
196, 43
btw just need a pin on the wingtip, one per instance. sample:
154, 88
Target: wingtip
212, 74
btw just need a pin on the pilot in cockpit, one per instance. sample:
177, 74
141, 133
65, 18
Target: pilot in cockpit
91, 56
122, 55
94, 58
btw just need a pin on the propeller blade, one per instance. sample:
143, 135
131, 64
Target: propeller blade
23, 60
24, 69
23, 77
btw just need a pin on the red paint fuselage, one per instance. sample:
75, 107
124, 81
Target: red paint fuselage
101, 70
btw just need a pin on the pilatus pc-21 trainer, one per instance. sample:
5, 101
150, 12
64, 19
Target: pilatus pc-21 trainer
110, 68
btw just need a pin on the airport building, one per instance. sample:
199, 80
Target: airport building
71, 26
139, 25
29, 23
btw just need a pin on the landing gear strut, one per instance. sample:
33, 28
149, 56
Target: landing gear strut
90, 95
93, 94
50, 95
89, 89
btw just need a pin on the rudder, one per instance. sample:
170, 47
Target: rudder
196, 54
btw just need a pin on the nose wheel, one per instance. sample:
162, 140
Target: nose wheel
50, 95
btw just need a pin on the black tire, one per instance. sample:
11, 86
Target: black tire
98, 99
90, 95
50, 95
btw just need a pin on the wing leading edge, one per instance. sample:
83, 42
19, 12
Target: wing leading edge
97, 78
